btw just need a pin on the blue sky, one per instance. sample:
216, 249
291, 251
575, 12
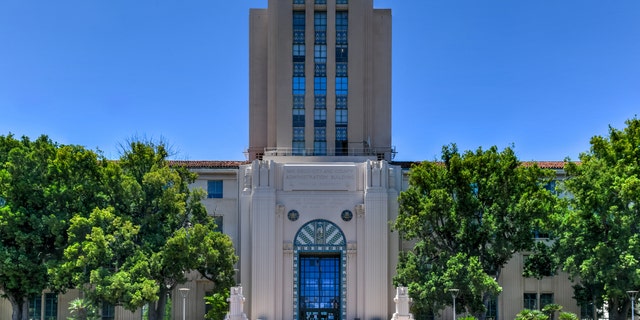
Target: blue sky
543, 75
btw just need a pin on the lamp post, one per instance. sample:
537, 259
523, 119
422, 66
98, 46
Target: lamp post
454, 294
184, 292
632, 296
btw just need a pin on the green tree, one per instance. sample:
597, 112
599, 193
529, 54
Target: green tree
466, 216
599, 239
153, 233
42, 185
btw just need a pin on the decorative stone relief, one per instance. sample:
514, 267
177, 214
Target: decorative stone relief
280, 210
247, 178
287, 247
360, 210
346, 215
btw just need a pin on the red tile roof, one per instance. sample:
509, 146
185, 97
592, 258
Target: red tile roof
207, 163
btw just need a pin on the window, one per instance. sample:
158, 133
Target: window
320, 117
340, 1
219, 223
320, 86
298, 85
319, 289
299, 1
320, 27
35, 307
342, 86
342, 53
108, 311
320, 148
342, 148
214, 189
321, 1
545, 299
341, 117
298, 118
492, 309
298, 148
50, 306
298, 101
298, 52
530, 301
320, 53
298, 27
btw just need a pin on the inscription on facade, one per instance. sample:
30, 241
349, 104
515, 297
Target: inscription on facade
337, 177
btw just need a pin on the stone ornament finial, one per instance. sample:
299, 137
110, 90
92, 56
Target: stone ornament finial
236, 305
402, 301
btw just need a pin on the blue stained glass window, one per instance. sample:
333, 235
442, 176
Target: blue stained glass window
319, 287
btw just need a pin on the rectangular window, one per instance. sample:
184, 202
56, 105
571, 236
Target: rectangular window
340, 1
108, 311
219, 223
492, 309
342, 53
298, 85
35, 307
298, 118
321, 1
320, 53
341, 117
302, 1
320, 148
50, 306
214, 189
545, 299
341, 133
320, 86
320, 117
298, 27
298, 148
342, 86
530, 301
298, 52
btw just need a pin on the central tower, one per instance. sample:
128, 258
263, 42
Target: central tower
318, 195
320, 79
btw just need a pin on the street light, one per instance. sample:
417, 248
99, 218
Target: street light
454, 294
184, 292
632, 296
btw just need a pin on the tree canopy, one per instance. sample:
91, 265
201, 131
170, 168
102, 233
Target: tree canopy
466, 216
125, 232
599, 239
42, 186
152, 233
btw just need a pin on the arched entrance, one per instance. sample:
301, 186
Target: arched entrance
319, 269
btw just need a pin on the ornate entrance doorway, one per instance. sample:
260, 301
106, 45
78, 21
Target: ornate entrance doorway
319, 268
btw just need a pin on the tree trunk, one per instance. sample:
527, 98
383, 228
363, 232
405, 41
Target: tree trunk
19, 307
618, 309
156, 310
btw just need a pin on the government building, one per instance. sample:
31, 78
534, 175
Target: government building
309, 211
